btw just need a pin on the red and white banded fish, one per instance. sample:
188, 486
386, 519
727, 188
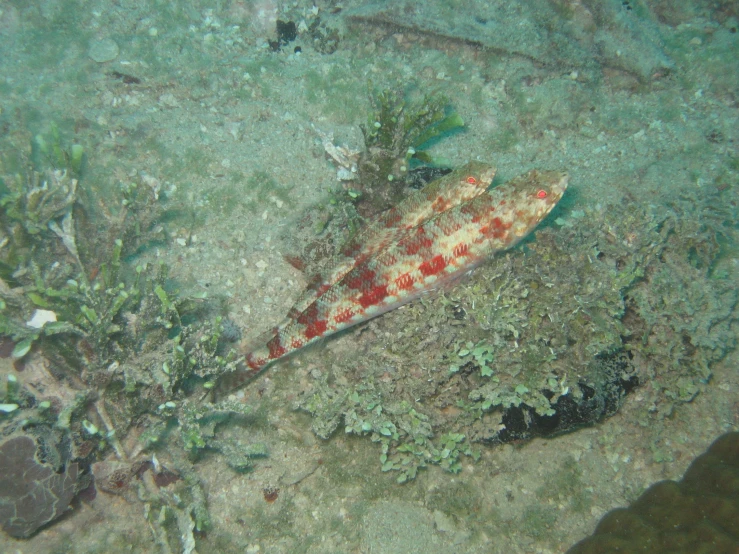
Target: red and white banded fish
413, 249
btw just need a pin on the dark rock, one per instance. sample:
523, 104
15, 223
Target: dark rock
287, 32
602, 394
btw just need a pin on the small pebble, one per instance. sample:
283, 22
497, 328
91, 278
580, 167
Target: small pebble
102, 51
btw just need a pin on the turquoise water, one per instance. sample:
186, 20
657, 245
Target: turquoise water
507, 412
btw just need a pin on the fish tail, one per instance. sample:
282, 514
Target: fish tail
236, 379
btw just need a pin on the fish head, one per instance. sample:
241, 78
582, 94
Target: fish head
480, 172
534, 195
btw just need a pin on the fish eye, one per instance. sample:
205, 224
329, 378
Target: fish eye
471, 180
541, 193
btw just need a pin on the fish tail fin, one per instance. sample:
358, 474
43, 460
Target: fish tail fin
236, 379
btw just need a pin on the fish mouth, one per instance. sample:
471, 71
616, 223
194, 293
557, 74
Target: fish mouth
559, 187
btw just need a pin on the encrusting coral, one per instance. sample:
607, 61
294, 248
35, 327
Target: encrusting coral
32, 493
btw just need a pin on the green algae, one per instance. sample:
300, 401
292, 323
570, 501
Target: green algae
557, 331
396, 131
135, 353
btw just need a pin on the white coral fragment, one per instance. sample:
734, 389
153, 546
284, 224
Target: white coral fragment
345, 157
41, 318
